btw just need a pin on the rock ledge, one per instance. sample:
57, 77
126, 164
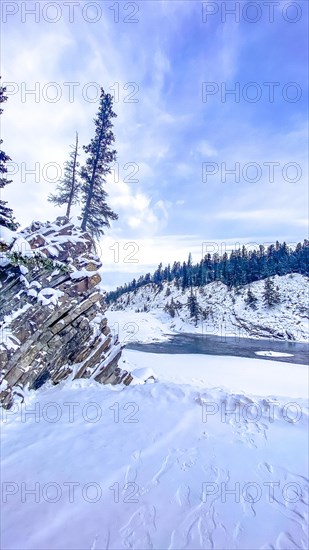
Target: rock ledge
52, 322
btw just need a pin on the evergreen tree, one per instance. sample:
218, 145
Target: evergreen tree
168, 273
184, 283
270, 295
170, 308
157, 276
68, 188
251, 299
6, 214
242, 267
193, 306
224, 268
96, 213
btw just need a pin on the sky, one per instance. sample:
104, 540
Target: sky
211, 127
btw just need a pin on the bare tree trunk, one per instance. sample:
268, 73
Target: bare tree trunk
86, 213
73, 185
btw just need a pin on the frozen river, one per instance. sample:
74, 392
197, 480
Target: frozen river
237, 347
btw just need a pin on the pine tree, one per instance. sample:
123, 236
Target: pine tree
96, 213
184, 282
270, 295
240, 268
193, 306
251, 299
68, 188
168, 273
157, 276
172, 309
6, 213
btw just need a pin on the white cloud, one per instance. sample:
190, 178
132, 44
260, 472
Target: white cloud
167, 133
206, 149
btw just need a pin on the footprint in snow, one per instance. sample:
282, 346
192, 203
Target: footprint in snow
139, 530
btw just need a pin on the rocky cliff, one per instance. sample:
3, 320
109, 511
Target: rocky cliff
52, 321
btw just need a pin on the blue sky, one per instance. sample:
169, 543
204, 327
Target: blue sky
168, 53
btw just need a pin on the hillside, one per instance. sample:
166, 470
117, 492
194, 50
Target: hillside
219, 310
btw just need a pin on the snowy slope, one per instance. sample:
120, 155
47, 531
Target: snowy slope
221, 311
176, 464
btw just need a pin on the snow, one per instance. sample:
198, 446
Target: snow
17, 244
152, 465
58, 239
23, 280
273, 354
236, 374
7, 236
76, 221
115, 350
4, 261
51, 237
226, 311
81, 274
33, 293
22, 246
49, 296
138, 327
35, 284
180, 463
143, 375
23, 269
53, 250
9, 318
7, 338
95, 325
3, 385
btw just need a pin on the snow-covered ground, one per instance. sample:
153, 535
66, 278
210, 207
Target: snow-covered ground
230, 374
214, 454
131, 326
198, 452
141, 316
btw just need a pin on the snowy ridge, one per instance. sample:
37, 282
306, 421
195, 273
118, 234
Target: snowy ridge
220, 311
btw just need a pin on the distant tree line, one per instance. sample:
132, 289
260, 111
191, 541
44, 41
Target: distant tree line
240, 267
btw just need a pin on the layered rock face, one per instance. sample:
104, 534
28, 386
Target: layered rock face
52, 321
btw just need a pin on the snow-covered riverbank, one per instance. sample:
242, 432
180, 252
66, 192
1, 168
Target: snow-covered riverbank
141, 315
212, 455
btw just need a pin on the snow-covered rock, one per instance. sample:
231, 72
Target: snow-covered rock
144, 375
7, 236
48, 296
47, 317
